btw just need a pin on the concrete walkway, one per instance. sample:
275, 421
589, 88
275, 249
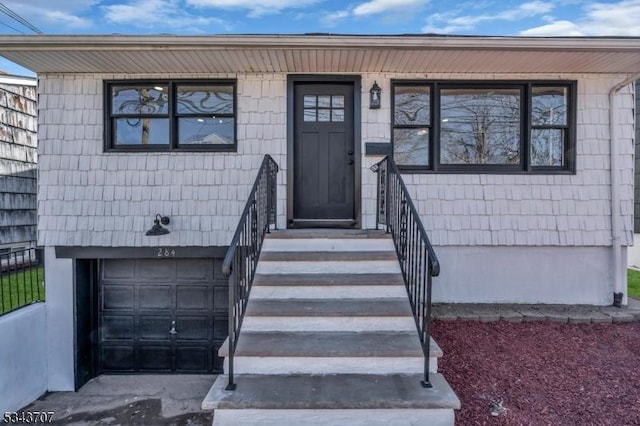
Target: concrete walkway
573, 314
157, 400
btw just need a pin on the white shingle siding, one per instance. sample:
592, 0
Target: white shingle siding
91, 198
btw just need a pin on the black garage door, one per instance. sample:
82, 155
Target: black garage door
161, 316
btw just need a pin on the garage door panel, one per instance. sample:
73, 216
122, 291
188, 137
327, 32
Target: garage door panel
192, 328
117, 358
194, 270
118, 327
139, 301
156, 296
193, 297
192, 359
154, 358
118, 269
220, 299
117, 297
220, 328
154, 328
156, 269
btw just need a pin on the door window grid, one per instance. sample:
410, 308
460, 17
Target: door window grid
323, 108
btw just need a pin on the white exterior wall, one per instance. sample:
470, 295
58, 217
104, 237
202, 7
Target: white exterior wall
60, 338
91, 198
23, 357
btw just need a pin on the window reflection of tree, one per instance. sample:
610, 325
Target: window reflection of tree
148, 102
412, 119
549, 119
480, 128
210, 101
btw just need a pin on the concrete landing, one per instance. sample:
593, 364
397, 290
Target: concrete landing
344, 391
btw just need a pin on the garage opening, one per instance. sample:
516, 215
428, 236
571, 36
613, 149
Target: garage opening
161, 315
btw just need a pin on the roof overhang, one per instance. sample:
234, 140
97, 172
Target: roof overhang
321, 54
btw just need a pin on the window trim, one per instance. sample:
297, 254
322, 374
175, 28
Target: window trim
172, 115
524, 167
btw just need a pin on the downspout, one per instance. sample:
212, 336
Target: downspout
618, 288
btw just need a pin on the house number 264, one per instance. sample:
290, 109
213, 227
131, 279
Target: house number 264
165, 252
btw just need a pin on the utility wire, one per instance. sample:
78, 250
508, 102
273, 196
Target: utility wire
11, 14
13, 28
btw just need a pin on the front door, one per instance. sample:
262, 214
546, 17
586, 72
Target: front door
323, 155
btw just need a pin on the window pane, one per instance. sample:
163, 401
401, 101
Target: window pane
337, 115
149, 99
205, 131
309, 101
547, 147
324, 101
480, 126
141, 131
205, 99
411, 147
549, 106
309, 115
412, 105
324, 115
337, 101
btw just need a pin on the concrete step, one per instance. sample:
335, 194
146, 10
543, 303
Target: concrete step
347, 399
315, 280
342, 266
328, 256
327, 244
324, 233
329, 315
330, 353
330, 308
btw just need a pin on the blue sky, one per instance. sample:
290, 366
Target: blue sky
195, 17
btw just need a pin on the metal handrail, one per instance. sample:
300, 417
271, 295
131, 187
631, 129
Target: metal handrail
418, 260
241, 260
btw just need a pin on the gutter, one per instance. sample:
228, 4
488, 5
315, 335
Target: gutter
616, 245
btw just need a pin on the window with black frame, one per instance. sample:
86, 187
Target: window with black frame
171, 115
490, 127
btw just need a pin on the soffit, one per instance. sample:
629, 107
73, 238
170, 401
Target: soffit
321, 54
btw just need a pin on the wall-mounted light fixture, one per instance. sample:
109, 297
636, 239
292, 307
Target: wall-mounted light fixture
374, 96
158, 229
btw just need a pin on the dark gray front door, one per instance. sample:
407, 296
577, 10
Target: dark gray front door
165, 315
323, 153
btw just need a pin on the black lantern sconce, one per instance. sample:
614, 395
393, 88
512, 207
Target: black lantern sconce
374, 96
158, 229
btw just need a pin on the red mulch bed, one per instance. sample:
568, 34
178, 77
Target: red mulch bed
543, 373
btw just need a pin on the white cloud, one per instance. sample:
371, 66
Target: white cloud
379, 6
445, 23
331, 19
157, 14
555, 28
600, 19
255, 7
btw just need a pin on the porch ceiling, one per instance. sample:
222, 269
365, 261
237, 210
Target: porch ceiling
321, 54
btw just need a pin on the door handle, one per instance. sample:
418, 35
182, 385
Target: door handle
350, 152
350, 162
173, 330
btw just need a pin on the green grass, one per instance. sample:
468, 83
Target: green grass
633, 283
18, 289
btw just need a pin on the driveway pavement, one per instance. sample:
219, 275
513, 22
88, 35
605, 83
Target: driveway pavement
131, 400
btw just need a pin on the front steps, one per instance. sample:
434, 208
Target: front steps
329, 338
